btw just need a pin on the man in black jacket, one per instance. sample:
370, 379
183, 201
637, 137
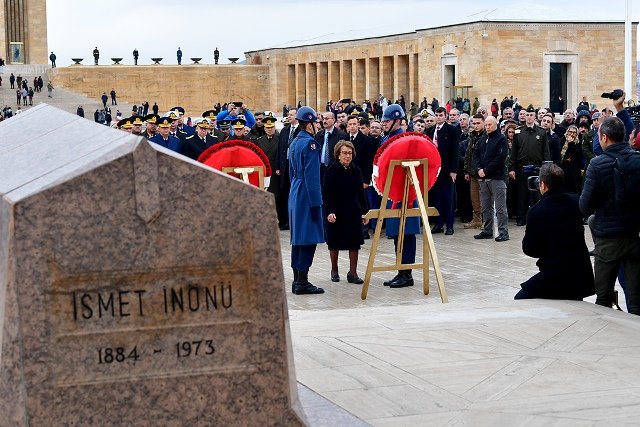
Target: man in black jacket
555, 235
282, 169
489, 162
616, 237
447, 138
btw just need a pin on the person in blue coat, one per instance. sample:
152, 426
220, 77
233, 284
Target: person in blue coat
164, 138
305, 201
391, 120
235, 109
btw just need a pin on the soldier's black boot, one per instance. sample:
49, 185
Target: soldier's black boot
303, 287
405, 280
295, 280
394, 280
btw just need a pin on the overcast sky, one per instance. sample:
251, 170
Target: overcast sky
157, 28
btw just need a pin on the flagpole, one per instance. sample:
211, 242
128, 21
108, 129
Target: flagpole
627, 52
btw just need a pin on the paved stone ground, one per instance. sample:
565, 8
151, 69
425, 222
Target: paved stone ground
401, 358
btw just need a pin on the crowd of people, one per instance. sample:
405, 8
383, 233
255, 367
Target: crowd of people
322, 180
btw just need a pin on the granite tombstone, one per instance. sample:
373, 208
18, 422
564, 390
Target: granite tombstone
137, 287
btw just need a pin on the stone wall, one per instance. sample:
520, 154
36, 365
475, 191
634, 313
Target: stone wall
496, 58
195, 87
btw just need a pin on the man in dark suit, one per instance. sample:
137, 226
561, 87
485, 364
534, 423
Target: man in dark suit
364, 153
447, 138
194, 145
555, 235
327, 140
282, 168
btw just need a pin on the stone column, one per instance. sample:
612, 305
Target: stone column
387, 78
359, 80
301, 84
312, 85
346, 83
291, 84
323, 84
373, 79
334, 80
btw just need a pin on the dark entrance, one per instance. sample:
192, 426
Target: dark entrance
558, 86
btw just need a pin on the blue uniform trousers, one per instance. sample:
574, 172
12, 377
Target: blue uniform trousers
302, 257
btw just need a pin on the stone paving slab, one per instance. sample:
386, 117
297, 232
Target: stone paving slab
402, 358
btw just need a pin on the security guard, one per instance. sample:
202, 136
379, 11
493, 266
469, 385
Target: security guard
305, 201
164, 136
194, 145
152, 126
529, 149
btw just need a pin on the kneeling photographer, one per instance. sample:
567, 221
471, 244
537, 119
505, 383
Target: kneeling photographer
555, 235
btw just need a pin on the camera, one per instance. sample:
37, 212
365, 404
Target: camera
532, 172
617, 93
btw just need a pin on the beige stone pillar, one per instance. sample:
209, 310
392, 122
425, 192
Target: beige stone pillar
301, 84
373, 79
291, 84
312, 85
346, 82
402, 78
359, 80
387, 76
414, 95
334, 80
323, 84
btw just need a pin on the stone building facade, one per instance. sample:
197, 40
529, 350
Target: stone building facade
534, 61
23, 31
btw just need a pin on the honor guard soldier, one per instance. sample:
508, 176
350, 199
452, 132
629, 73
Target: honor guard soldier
189, 130
152, 125
194, 145
164, 137
305, 201
137, 125
213, 122
125, 125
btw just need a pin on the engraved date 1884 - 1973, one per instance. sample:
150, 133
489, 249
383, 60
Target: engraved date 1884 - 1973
109, 355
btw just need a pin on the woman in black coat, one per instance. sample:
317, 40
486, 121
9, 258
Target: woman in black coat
571, 153
344, 204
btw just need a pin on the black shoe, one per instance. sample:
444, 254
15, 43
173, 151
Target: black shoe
436, 230
303, 287
592, 253
502, 238
449, 232
405, 280
335, 277
395, 279
366, 236
306, 289
483, 235
521, 222
354, 279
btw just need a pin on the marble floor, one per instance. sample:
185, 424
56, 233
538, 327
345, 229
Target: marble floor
400, 358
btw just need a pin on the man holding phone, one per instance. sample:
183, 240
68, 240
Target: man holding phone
234, 110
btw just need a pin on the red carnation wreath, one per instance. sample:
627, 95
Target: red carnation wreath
405, 146
236, 153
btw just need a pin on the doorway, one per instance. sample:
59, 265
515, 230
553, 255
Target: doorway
558, 72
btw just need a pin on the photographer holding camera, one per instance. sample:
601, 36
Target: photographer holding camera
235, 110
555, 235
616, 230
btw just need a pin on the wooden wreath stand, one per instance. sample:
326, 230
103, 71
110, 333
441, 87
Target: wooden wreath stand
428, 247
245, 171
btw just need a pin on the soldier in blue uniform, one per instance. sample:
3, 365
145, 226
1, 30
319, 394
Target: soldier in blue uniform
164, 138
305, 201
391, 120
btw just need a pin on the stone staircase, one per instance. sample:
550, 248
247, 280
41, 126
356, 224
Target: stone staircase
61, 98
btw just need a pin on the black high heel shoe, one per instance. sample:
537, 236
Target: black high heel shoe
335, 277
354, 279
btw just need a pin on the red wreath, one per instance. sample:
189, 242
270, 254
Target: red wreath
236, 153
405, 146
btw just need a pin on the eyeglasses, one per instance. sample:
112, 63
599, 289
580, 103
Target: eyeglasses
347, 153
